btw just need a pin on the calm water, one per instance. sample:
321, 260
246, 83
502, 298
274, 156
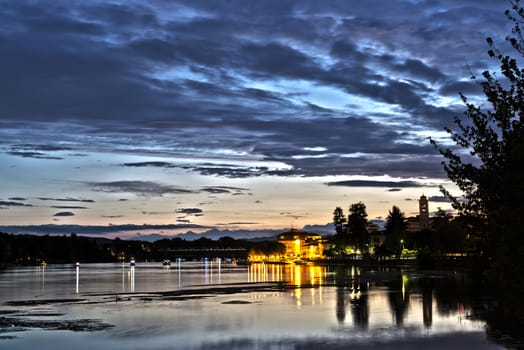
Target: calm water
216, 305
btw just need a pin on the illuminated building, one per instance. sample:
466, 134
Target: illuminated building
302, 245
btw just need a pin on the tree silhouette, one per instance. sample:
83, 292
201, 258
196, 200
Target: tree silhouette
395, 230
339, 220
357, 226
487, 165
488, 160
341, 239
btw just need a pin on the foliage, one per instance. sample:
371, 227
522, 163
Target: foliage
396, 221
448, 234
32, 250
487, 162
395, 230
487, 165
357, 226
339, 220
341, 239
353, 235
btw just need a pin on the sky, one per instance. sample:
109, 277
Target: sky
177, 115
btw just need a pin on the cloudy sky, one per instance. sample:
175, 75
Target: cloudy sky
230, 114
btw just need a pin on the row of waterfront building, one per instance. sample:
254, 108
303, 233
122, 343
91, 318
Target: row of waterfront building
304, 246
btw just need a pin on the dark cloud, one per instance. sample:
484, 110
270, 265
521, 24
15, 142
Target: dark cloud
394, 190
67, 207
64, 213
35, 151
216, 190
67, 199
189, 211
418, 69
230, 170
142, 188
148, 164
42, 148
224, 189
35, 155
240, 77
468, 88
367, 183
21, 199
13, 204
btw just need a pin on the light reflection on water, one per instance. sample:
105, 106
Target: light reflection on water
63, 280
339, 305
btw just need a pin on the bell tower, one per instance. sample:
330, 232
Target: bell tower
423, 211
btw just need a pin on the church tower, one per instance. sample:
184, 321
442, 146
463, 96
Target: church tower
423, 212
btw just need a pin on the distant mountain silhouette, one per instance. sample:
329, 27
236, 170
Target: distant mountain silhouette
215, 234
134, 232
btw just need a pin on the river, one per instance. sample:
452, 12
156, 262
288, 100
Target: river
219, 305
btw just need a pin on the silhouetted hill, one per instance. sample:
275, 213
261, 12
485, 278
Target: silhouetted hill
252, 235
34, 250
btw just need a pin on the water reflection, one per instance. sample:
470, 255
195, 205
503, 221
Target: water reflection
123, 277
345, 305
353, 292
206, 271
41, 269
298, 275
362, 299
179, 262
77, 277
371, 299
301, 276
427, 302
398, 298
132, 279
367, 296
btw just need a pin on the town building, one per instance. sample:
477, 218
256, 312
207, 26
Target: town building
421, 221
302, 245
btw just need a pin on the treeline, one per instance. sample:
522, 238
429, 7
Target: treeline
441, 235
34, 250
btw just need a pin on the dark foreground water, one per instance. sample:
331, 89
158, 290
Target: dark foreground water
217, 305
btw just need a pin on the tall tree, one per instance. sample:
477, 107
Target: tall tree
395, 230
339, 220
396, 221
341, 239
488, 160
357, 226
